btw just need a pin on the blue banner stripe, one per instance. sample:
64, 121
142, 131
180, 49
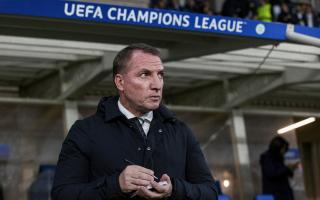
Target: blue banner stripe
313, 32
144, 17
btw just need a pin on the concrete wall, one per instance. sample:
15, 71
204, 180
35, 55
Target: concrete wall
34, 134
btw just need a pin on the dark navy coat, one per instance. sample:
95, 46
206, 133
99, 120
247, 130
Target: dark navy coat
275, 176
94, 152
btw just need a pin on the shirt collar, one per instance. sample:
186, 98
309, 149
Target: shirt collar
147, 116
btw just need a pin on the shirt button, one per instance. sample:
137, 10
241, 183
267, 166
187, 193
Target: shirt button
148, 148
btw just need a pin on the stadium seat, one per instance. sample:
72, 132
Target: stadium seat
264, 197
224, 197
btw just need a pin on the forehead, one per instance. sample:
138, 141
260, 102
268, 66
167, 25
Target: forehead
144, 60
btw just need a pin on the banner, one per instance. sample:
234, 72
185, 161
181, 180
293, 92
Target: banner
153, 18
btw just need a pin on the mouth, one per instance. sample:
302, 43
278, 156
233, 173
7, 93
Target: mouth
155, 98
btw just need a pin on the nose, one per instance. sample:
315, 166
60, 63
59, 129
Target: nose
156, 83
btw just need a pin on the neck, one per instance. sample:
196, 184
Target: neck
130, 108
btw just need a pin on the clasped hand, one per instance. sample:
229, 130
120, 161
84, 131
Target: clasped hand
137, 178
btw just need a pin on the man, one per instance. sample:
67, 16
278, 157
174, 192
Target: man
115, 155
275, 174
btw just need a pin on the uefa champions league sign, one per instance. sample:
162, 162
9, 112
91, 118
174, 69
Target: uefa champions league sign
168, 19
153, 18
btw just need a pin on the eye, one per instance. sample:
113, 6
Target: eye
161, 75
144, 74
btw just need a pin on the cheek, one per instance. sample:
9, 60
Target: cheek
137, 89
137, 86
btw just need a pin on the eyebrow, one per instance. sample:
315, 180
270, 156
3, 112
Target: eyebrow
148, 70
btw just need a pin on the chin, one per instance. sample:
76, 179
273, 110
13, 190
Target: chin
153, 106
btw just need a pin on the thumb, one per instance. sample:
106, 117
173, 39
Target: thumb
165, 177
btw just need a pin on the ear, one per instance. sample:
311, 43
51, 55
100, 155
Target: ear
118, 81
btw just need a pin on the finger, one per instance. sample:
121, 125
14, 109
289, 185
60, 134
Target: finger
165, 177
150, 194
144, 170
142, 176
136, 183
140, 182
131, 187
136, 169
125, 182
168, 187
132, 171
160, 187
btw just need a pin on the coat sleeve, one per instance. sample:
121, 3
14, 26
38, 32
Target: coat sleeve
72, 178
274, 169
199, 184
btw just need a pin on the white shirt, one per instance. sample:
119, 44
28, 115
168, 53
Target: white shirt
145, 119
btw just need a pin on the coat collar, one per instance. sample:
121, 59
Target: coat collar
109, 110
147, 116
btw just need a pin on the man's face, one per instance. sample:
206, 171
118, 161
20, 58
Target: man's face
140, 85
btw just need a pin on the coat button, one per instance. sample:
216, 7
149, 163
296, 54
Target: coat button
148, 148
99, 184
139, 149
160, 130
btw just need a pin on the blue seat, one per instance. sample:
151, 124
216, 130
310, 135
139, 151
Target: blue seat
264, 197
224, 197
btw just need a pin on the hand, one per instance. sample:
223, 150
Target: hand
294, 166
134, 177
158, 191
